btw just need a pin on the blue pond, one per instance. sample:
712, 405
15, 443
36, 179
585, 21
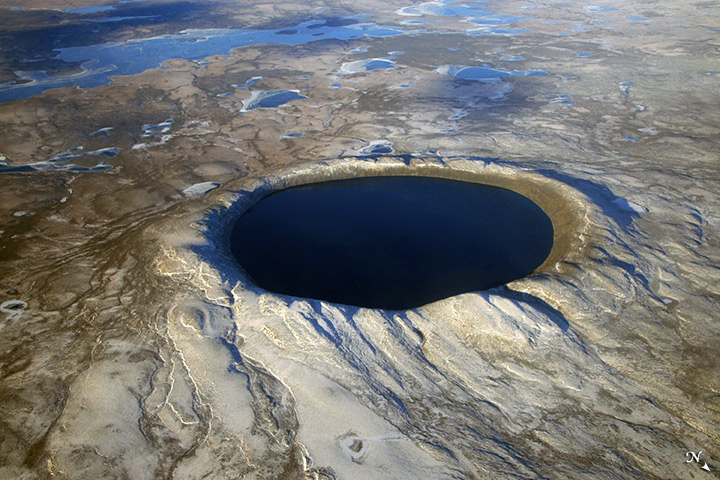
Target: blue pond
270, 98
390, 242
368, 65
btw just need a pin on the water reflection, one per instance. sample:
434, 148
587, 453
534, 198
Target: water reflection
132, 56
137, 55
270, 98
371, 64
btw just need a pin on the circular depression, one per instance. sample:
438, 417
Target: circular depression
392, 242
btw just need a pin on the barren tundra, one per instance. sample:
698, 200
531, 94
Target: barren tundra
134, 134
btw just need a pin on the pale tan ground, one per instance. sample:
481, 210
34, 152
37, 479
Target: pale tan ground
115, 370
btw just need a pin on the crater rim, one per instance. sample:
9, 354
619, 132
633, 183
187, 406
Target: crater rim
566, 207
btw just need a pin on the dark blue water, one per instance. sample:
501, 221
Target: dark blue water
390, 242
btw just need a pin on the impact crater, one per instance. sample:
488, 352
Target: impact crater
394, 238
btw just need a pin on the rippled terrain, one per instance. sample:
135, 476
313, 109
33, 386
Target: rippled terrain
134, 134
